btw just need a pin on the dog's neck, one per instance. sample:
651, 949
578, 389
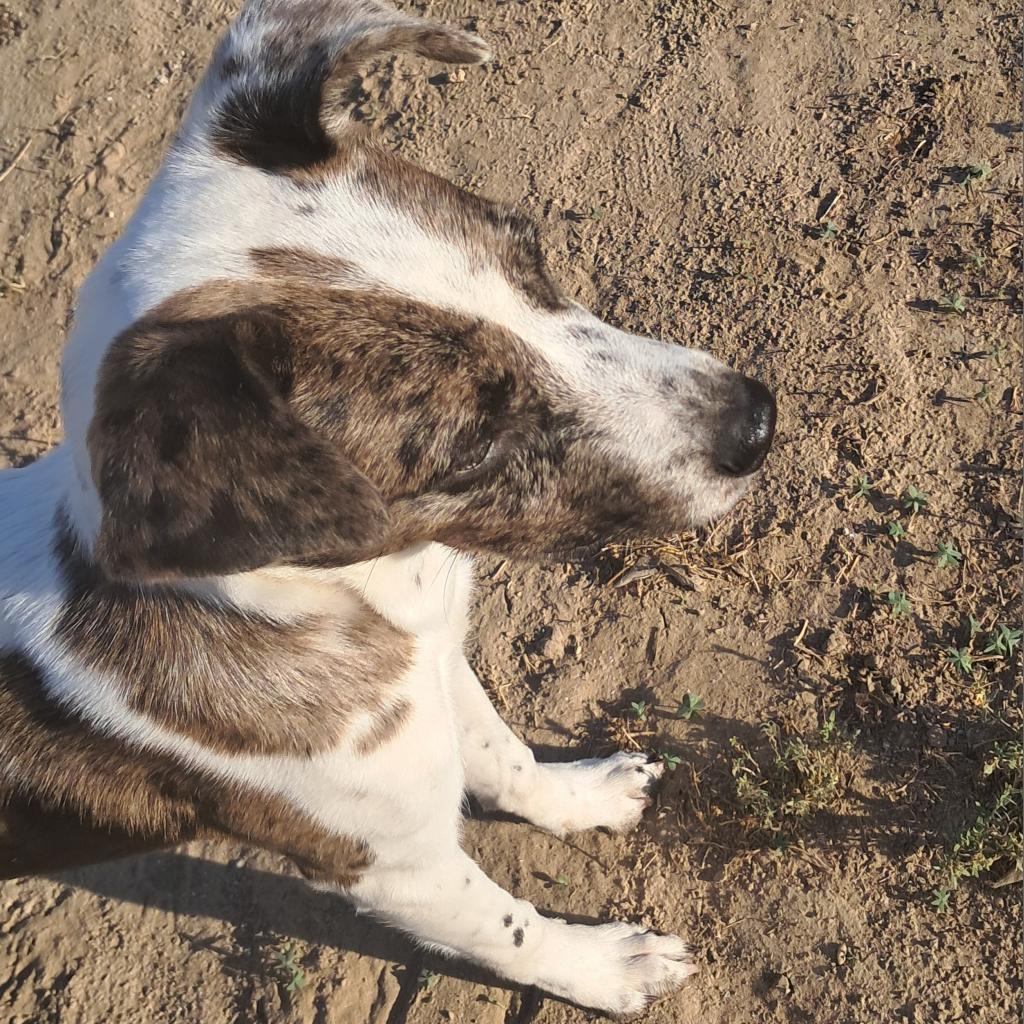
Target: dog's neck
423, 589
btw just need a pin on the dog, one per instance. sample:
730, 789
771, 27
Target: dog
304, 387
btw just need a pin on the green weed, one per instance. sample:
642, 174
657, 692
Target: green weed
690, 706
993, 841
954, 302
947, 556
291, 975
914, 500
791, 778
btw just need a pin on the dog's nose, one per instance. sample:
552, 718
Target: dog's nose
747, 429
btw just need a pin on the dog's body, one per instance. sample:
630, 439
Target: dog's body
306, 381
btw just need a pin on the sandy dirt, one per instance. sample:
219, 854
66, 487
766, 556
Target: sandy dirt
681, 157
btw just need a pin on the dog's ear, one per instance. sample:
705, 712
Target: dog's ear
282, 80
202, 465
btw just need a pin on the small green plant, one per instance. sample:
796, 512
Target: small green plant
940, 900
977, 260
961, 658
993, 840
954, 302
690, 706
863, 488
826, 232
997, 353
1003, 642
973, 627
791, 777
914, 500
427, 979
899, 603
292, 976
562, 882
895, 530
972, 174
640, 708
671, 761
947, 556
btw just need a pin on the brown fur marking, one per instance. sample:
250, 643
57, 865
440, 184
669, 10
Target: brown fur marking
201, 464
387, 723
309, 267
493, 232
62, 764
400, 400
234, 681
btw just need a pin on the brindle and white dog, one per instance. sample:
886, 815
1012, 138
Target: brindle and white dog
307, 382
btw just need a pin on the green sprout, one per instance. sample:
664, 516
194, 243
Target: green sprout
947, 556
972, 174
1003, 641
639, 709
689, 706
960, 657
863, 488
914, 500
292, 975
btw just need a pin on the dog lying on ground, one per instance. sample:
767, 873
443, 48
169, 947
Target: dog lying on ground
304, 386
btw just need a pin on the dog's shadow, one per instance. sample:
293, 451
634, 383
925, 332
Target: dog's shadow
255, 902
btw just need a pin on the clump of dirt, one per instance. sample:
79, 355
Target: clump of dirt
828, 199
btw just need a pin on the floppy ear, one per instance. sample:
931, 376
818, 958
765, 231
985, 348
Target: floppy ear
284, 74
203, 467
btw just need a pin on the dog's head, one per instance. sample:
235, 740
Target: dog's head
320, 353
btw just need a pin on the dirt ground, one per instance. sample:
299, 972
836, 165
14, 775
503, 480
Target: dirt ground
786, 185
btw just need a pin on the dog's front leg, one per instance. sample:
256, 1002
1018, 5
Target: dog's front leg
445, 901
502, 773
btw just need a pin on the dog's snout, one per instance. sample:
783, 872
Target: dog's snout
747, 429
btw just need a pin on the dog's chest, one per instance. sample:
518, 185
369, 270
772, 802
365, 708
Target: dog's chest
425, 591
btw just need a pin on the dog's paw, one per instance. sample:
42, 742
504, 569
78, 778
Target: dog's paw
619, 969
607, 792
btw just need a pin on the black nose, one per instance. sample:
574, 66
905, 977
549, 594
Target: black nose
748, 426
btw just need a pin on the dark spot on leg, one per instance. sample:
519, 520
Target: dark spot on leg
507, 920
517, 937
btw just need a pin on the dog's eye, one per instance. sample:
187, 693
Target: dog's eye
473, 458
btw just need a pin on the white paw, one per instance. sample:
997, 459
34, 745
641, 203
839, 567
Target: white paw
619, 969
601, 792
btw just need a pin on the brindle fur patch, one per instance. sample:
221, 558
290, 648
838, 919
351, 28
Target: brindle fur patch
200, 462
58, 762
462, 437
235, 681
